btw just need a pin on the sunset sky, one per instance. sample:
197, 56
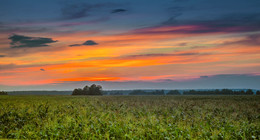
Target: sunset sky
129, 44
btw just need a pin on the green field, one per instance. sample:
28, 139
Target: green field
130, 117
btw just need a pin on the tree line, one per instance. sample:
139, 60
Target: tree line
196, 92
142, 92
219, 92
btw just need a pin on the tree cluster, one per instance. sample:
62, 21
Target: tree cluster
3, 93
92, 90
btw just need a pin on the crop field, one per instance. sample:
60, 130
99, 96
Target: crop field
130, 117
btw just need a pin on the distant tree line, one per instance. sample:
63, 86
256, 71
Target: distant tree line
92, 90
116, 93
43, 92
3, 93
174, 92
219, 92
142, 92
194, 92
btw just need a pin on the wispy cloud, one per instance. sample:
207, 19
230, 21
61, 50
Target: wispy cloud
251, 40
160, 55
81, 10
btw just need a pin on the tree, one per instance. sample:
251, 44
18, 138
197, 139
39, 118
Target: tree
258, 92
3, 93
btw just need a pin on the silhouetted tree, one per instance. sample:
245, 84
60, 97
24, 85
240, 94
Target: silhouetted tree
3, 93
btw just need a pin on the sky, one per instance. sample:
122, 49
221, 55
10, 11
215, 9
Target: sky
129, 44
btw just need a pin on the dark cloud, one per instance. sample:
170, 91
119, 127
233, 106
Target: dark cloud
88, 42
2, 55
42, 69
118, 10
20, 41
204, 76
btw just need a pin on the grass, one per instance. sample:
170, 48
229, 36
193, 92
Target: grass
130, 117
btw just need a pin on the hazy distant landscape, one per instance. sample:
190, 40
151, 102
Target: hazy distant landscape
146, 92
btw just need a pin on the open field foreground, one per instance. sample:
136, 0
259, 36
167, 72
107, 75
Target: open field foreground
130, 117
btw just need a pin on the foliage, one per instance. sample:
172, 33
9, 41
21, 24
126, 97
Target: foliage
130, 117
3, 93
92, 90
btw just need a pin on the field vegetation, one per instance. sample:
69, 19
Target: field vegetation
130, 117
